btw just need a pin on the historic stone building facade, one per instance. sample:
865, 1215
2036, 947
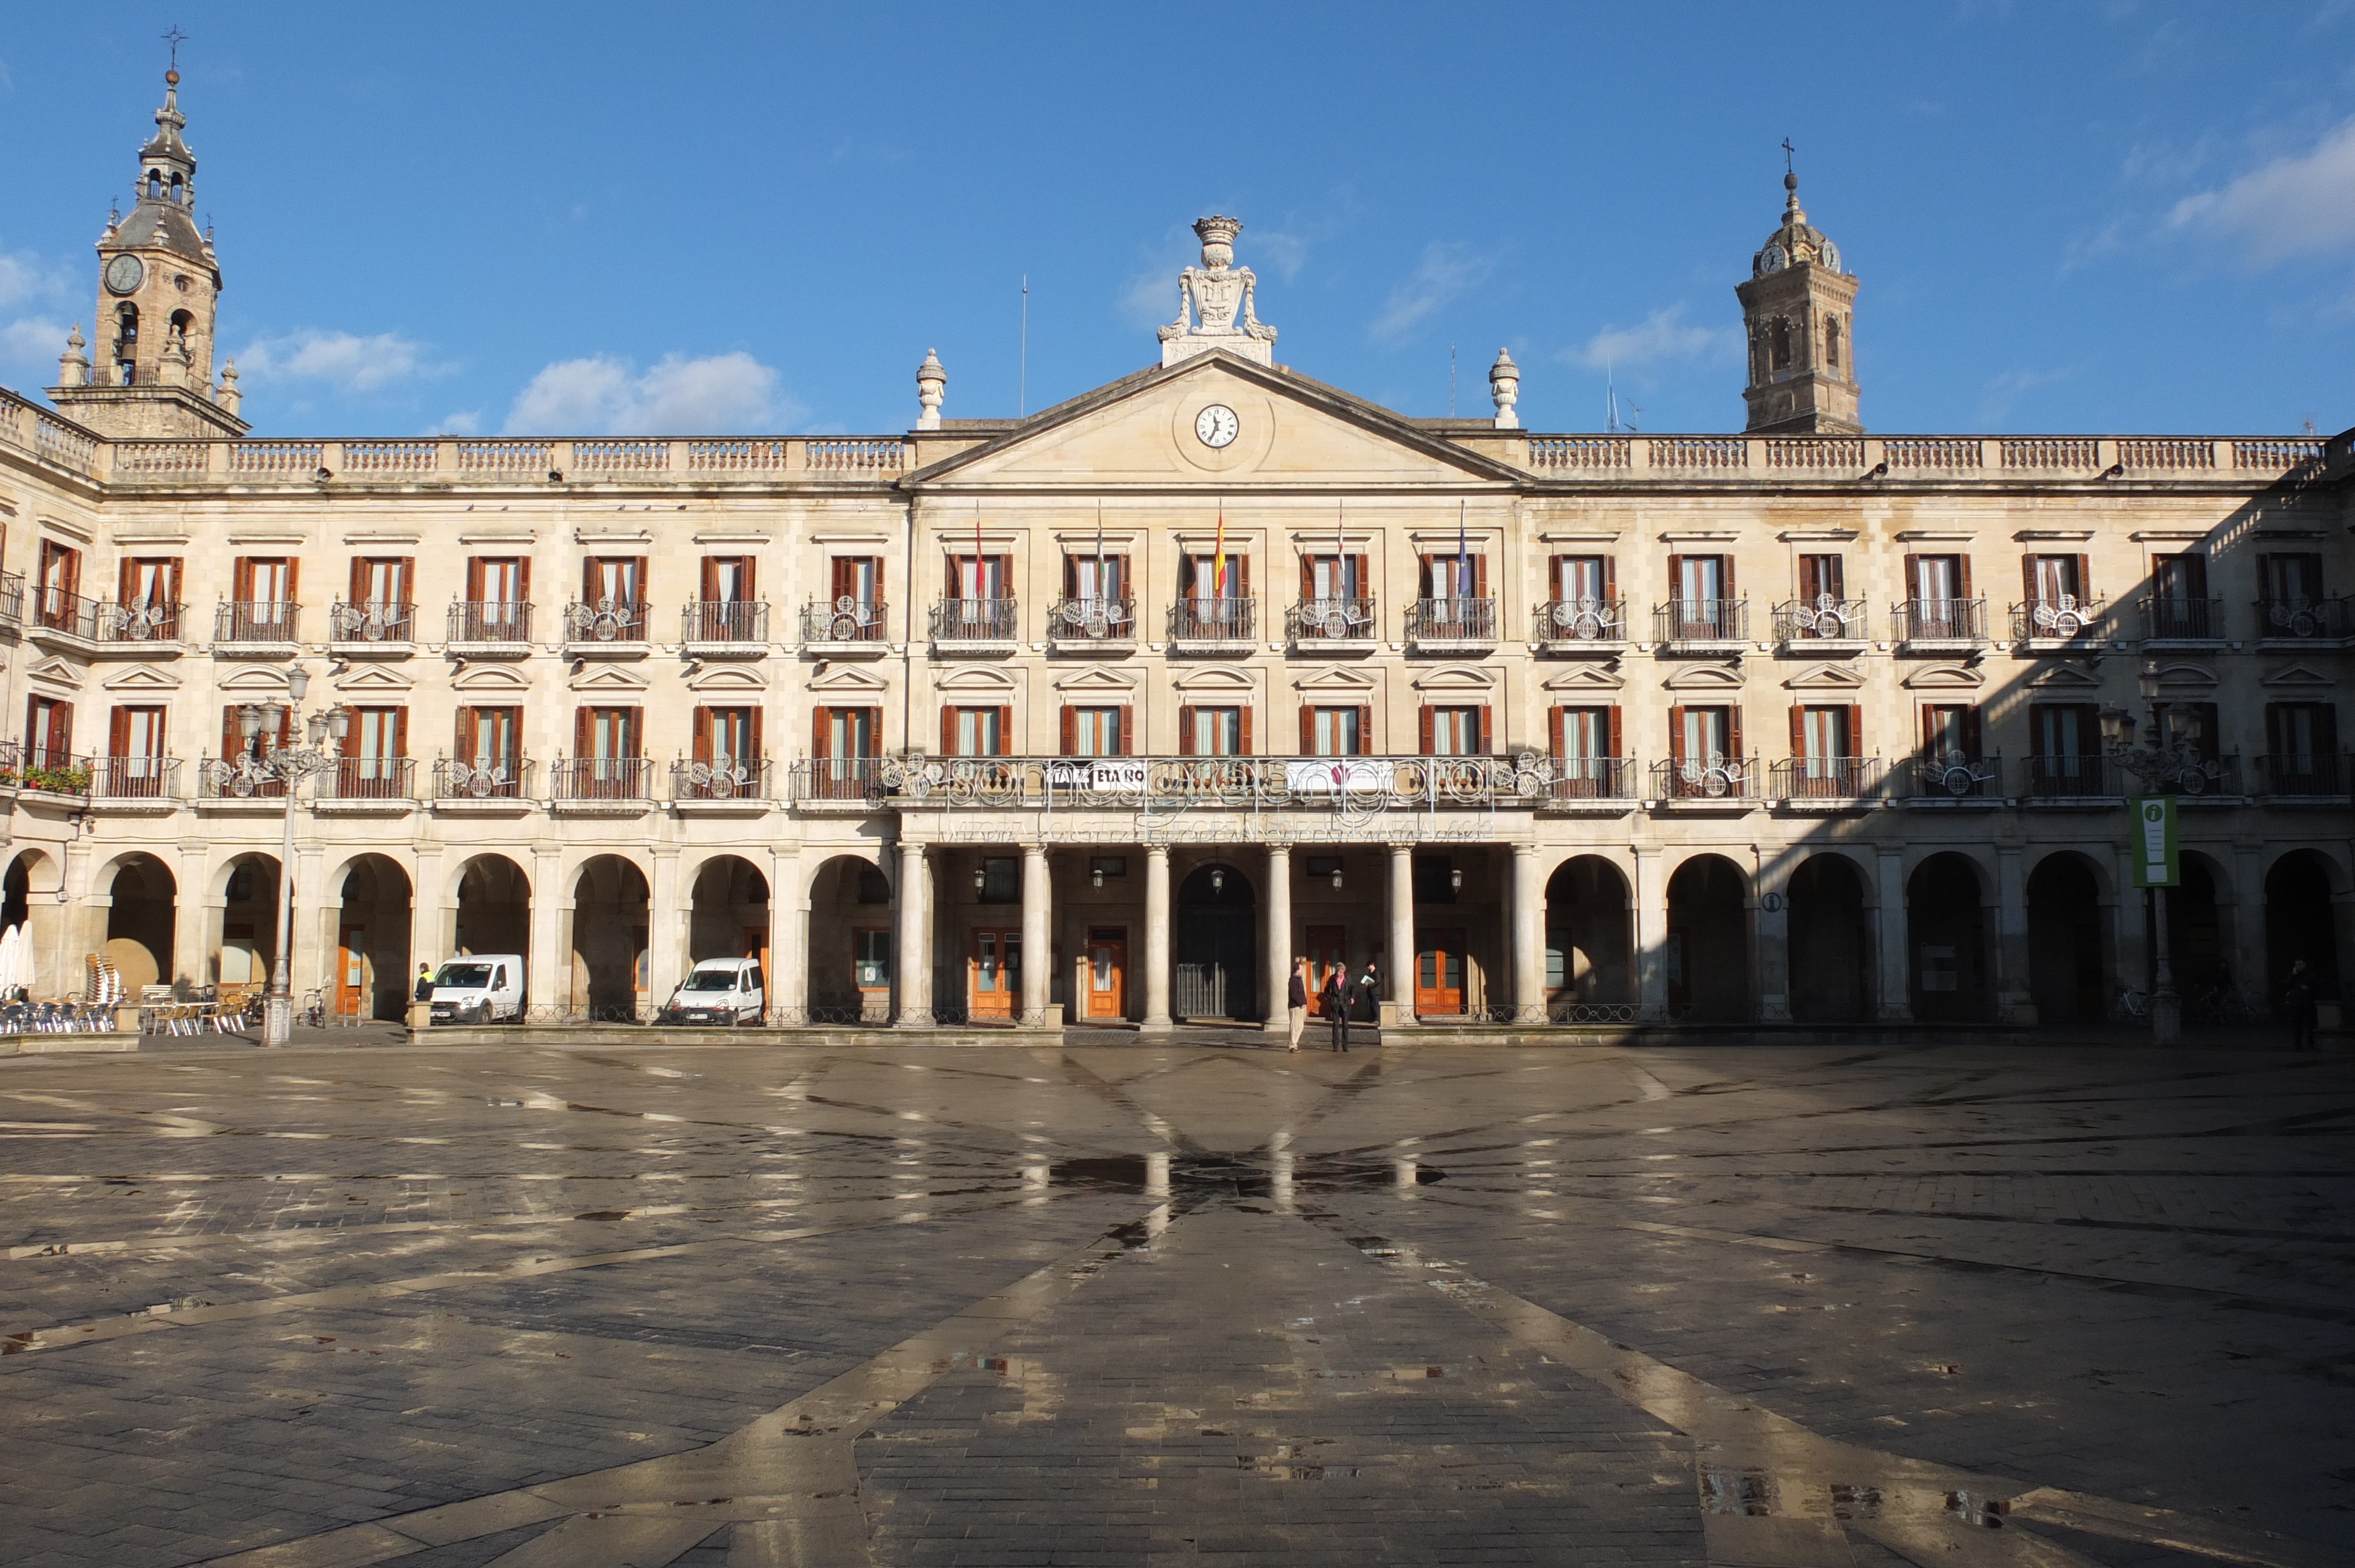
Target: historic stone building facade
1102, 714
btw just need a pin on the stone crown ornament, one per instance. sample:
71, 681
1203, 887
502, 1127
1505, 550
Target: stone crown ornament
1215, 303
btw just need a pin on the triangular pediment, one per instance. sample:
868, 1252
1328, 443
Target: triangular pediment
1586, 678
2067, 677
1946, 678
370, 678
729, 678
1456, 679
1826, 678
57, 670
1289, 431
1704, 678
491, 678
143, 678
1341, 680
850, 679
2295, 676
609, 678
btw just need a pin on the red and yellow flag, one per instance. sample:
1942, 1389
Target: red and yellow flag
1218, 557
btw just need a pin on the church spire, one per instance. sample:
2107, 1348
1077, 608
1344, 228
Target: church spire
1798, 308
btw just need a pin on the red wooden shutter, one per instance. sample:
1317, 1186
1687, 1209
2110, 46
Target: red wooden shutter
948, 731
1244, 744
1555, 575
1124, 717
1480, 577
1242, 577
755, 736
1725, 578
293, 579
400, 732
1912, 576
710, 578
1963, 575
1676, 576
475, 579
839, 572
1429, 584
949, 571
408, 594
1798, 730
523, 580
1609, 579
747, 579
2028, 580
241, 581
1971, 732
1185, 732
583, 735
1071, 575
1809, 577
1733, 732
1855, 729
1555, 716
1614, 731
464, 741
1307, 578
1490, 742
702, 734
2085, 578
1307, 730
360, 580
1365, 575
1677, 734
821, 727
1004, 576
232, 743
118, 731
1005, 732
1070, 731
1425, 732
589, 580
1365, 731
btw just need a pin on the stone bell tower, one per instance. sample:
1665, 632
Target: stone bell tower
1798, 314
158, 291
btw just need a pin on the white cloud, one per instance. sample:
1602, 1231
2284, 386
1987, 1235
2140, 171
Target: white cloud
1447, 271
1663, 335
1286, 254
466, 422
2292, 206
717, 394
342, 361
29, 340
1997, 398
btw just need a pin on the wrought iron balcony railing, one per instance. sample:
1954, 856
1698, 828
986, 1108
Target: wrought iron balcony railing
237, 778
975, 619
1826, 777
11, 599
2304, 773
2081, 776
1939, 620
1591, 778
2063, 620
1953, 777
1093, 621
837, 778
493, 621
725, 620
1712, 778
57, 771
720, 779
370, 779
1345, 784
2305, 618
1701, 621
1574, 621
132, 778
1452, 620
54, 610
603, 779
847, 620
137, 621
1214, 621
605, 620
372, 621
489, 778
1821, 619
256, 620
2181, 619
1343, 621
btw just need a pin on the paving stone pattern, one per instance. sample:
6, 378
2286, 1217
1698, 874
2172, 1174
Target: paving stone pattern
1415, 1305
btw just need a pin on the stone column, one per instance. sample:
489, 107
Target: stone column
2244, 944
667, 926
915, 959
1398, 963
1276, 964
1037, 945
203, 967
789, 921
1529, 936
1771, 885
311, 965
1651, 936
547, 978
1157, 942
2130, 940
1896, 991
2014, 1003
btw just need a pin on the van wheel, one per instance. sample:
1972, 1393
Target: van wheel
481, 1013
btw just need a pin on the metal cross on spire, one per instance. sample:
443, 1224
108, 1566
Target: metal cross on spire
1788, 151
176, 39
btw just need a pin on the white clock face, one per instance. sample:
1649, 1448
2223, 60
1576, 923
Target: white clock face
1216, 424
1831, 257
123, 273
1773, 259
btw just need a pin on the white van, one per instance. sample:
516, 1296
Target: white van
482, 987
718, 991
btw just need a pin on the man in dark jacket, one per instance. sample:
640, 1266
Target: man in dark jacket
425, 982
2298, 1001
1295, 1003
1369, 992
1336, 998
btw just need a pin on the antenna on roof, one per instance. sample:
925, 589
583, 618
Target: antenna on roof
1635, 419
1451, 381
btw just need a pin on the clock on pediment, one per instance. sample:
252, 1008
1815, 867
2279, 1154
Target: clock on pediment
1217, 426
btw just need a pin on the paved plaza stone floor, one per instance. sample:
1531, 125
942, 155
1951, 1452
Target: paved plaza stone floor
1128, 1304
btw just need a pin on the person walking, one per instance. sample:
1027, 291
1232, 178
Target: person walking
1336, 998
1295, 998
2298, 1001
424, 983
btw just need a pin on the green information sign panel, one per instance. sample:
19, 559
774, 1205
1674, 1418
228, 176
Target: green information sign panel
2153, 846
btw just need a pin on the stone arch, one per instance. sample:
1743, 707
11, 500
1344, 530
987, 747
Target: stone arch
1707, 959
1215, 972
2070, 961
2104, 877
244, 888
851, 955
141, 918
611, 939
1589, 946
2303, 901
490, 895
2199, 930
370, 898
28, 898
729, 910
1829, 938
1947, 916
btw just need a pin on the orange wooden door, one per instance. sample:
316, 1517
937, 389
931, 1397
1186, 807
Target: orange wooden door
1328, 953
351, 971
1107, 973
1439, 971
994, 973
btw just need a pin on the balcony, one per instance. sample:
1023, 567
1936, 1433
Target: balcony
720, 786
1827, 783
490, 629
12, 601
2057, 622
138, 630
1330, 626
1213, 625
2286, 622
1821, 625
371, 630
1452, 625
837, 781
2189, 777
134, 784
1091, 626
974, 625
1720, 782
1702, 625
2186, 623
2306, 779
848, 629
496, 786
2083, 779
48, 772
1589, 784
606, 629
1580, 625
366, 787
602, 786
725, 628
1939, 625
258, 628
229, 783
65, 622
1354, 785
1952, 779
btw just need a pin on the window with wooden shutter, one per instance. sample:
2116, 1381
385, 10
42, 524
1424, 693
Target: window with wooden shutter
1123, 726
1307, 730
1798, 730
1855, 729
1245, 719
1185, 731
1677, 734
1005, 736
1364, 742
1617, 746
948, 731
1426, 721
1677, 581
1487, 745
1733, 730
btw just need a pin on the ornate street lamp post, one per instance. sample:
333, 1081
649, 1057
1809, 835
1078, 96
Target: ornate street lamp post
264, 759
2167, 762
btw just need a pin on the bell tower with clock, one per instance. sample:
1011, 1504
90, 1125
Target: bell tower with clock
1797, 314
158, 291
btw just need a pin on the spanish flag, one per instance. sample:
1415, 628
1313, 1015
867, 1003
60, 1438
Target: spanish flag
1218, 557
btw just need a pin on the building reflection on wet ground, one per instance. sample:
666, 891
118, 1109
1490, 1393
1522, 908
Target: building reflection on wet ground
754, 1305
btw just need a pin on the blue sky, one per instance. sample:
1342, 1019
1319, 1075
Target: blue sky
593, 217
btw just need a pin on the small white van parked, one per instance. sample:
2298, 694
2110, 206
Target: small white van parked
482, 988
718, 991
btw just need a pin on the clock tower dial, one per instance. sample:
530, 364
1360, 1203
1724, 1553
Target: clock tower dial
125, 273
1217, 426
